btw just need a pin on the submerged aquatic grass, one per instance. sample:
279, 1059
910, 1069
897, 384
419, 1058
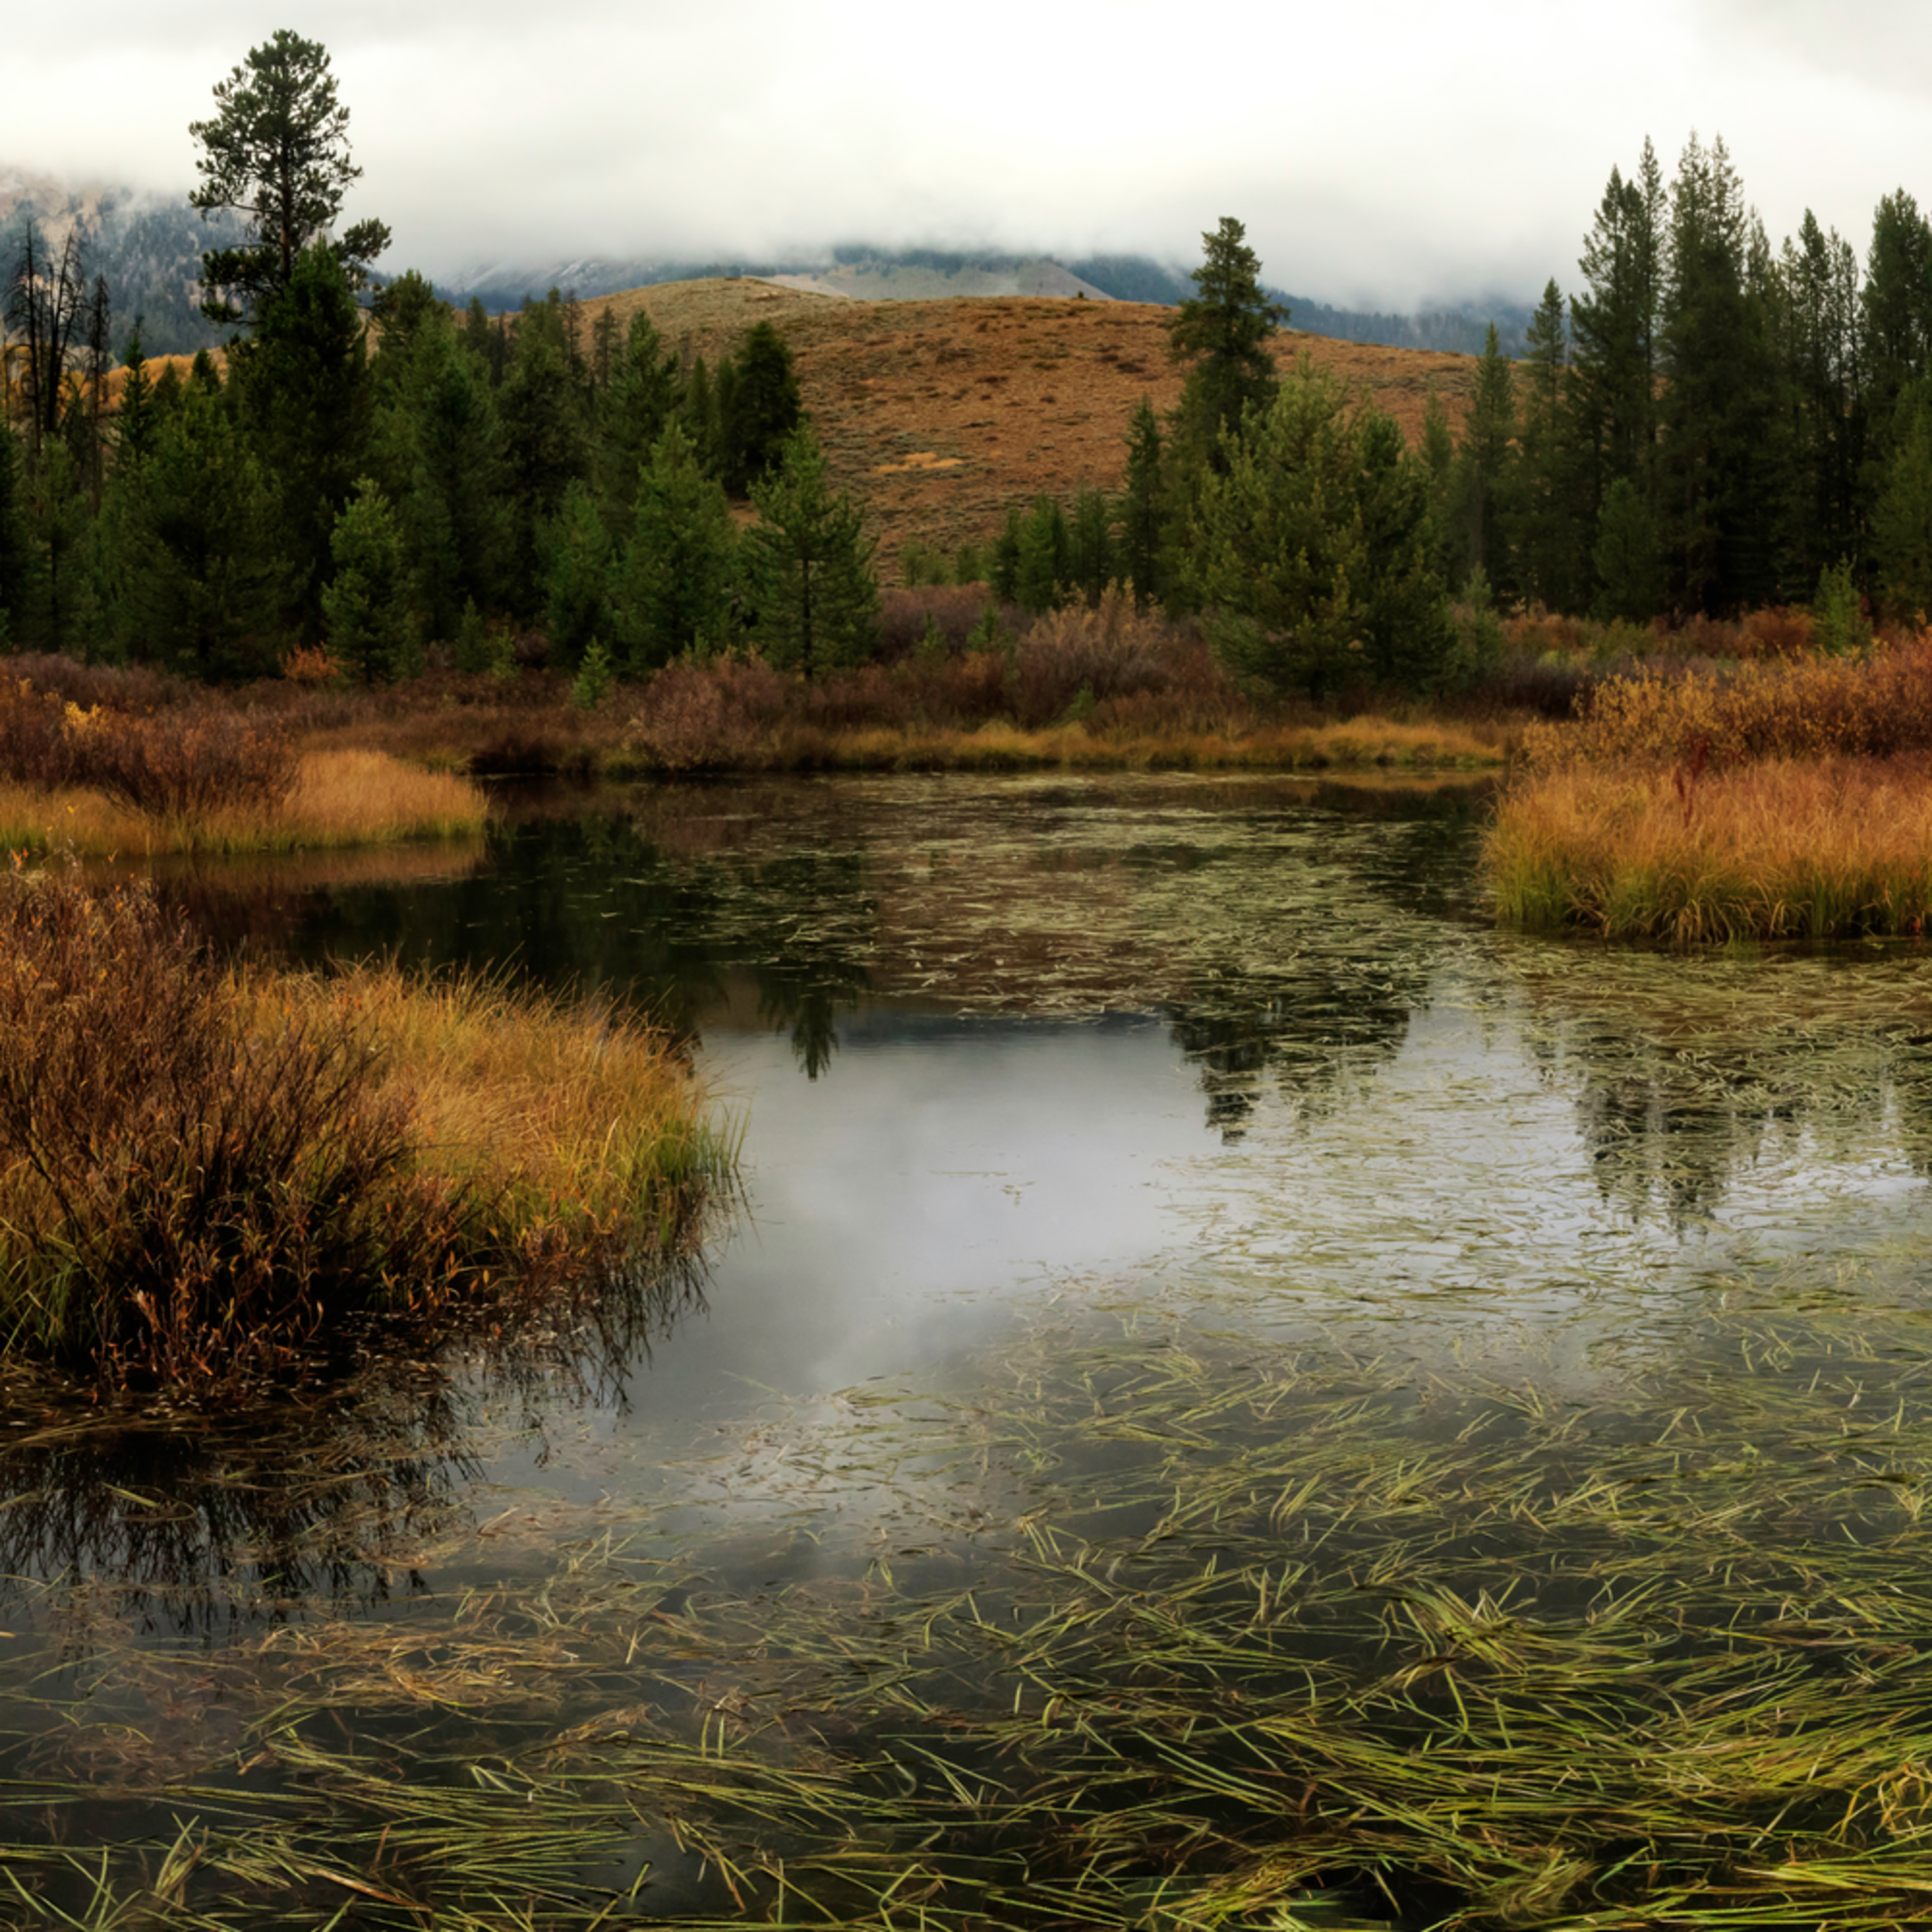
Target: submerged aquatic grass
1176, 1630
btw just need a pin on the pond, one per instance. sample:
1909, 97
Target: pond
1235, 1393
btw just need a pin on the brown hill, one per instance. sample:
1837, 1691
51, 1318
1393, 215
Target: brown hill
940, 414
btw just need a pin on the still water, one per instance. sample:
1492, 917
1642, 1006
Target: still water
1100, 1138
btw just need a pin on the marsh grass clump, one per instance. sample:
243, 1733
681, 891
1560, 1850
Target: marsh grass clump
206, 1178
1786, 798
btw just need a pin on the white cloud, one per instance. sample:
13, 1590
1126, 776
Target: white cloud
1383, 154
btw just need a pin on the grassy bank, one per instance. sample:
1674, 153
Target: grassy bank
334, 798
204, 1177
1780, 800
146, 766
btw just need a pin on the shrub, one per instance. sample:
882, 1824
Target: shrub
1110, 651
180, 1190
202, 756
1811, 707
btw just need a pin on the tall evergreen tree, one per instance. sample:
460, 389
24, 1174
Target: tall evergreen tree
811, 566
759, 411
1045, 563
577, 576
366, 613
443, 465
137, 421
675, 579
1223, 329
1143, 511
305, 398
1611, 389
1816, 341
19, 562
1485, 473
638, 405
1549, 541
204, 592
1310, 556
1714, 515
1896, 314
546, 442
1091, 562
277, 152
1902, 519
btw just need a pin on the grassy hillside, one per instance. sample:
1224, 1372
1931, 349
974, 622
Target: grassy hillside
940, 414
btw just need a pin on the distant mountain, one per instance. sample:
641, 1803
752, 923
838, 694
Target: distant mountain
918, 274
148, 246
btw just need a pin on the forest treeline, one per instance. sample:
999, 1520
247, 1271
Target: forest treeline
1708, 424
469, 483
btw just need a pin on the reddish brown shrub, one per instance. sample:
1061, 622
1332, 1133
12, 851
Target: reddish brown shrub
954, 612
1779, 631
694, 717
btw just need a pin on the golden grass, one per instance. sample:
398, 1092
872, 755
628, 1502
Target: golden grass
1782, 849
339, 798
205, 1173
569, 1120
1361, 743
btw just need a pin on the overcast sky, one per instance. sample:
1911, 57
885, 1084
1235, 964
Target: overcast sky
1381, 153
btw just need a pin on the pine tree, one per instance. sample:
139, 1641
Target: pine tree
642, 398
760, 409
577, 580
1044, 564
366, 614
1224, 329
1485, 473
811, 566
546, 444
1713, 511
1404, 609
1624, 557
66, 616
1815, 329
305, 398
204, 587
19, 563
1091, 563
1611, 390
1902, 520
137, 423
451, 482
1143, 513
1310, 557
1896, 313
1548, 542
675, 580
1437, 452
278, 150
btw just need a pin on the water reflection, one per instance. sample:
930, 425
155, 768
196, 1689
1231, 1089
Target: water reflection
1690, 1077
173, 1524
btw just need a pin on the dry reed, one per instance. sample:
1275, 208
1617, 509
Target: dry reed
201, 1177
336, 799
1778, 850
